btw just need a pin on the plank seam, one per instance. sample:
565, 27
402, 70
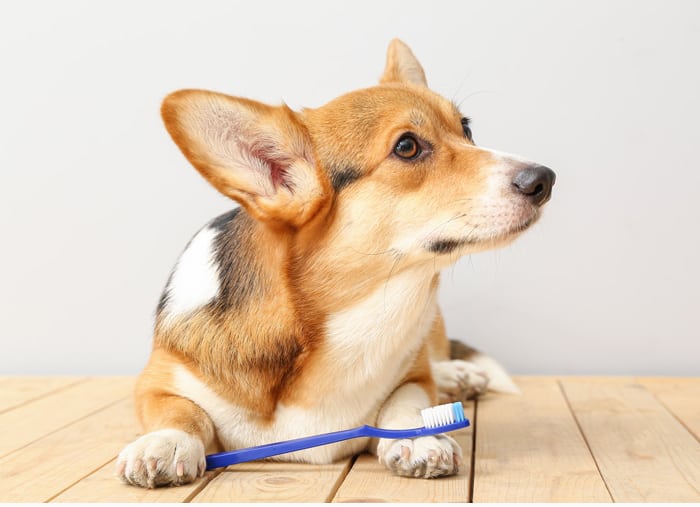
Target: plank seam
341, 478
52, 497
668, 409
585, 439
104, 407
472, 459
44, 395
205, 482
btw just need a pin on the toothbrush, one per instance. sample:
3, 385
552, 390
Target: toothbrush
438, 419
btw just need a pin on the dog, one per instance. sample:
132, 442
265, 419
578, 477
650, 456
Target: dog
312, 307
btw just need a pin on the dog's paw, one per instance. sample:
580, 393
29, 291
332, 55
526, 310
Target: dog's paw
459, 380
425, 457
162, 458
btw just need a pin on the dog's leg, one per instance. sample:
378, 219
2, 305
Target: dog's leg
462, 372
426, 457
456, 378
179, 431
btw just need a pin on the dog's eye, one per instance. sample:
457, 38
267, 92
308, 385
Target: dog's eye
407, 147
467, 130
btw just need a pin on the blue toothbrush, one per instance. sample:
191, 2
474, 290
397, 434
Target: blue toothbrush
439, 419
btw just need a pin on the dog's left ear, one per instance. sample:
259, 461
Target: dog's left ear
402, 66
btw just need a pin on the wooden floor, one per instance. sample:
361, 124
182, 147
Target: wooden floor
563, 439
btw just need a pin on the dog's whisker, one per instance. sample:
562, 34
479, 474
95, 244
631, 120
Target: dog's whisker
397, 258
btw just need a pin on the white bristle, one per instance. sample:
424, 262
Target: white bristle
441, 415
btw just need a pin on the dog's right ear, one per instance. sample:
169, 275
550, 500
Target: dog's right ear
259, 155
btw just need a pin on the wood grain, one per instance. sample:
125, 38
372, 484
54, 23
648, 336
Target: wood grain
529, 449
16, 391
643, 452
561, 440
681, 396
52, 464
36, 419
370, 481
275, 482
103, 486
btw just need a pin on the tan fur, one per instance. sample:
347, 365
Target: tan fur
332, 214
157, 406
329, 274
439, 345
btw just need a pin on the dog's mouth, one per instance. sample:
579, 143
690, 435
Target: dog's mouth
443, 246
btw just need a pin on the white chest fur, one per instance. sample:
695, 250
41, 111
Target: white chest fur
369, 349
369, 343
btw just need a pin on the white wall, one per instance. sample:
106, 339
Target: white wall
96, 202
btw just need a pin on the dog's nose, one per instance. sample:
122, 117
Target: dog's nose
535, 181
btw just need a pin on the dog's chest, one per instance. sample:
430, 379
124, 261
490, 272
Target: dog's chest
369, 344
369, 349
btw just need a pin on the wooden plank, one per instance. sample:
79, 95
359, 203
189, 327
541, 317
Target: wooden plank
16, 391
34, 420
642, 451
59, 465
46, 467
275, 482
103, 486
679, 395
370, 481
529, 449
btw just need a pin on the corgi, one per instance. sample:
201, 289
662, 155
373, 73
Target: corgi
312, 307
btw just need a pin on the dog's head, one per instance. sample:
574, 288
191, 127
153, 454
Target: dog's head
384, 177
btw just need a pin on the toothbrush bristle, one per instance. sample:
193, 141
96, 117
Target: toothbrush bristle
442, 415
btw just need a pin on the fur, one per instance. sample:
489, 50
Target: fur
312, 307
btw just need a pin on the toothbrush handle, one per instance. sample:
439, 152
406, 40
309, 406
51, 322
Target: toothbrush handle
223, 459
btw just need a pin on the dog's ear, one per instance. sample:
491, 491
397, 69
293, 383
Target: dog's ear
259, 155
402, 66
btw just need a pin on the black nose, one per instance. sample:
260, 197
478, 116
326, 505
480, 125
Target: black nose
535, 181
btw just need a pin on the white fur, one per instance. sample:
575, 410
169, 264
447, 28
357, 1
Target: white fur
236, 427
375, 336
430, 456
368, 347
458, 380
195, 279
499, 380
154, 459
426, 457
507, 157
402, 409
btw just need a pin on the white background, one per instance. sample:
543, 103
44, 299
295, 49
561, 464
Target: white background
96, 202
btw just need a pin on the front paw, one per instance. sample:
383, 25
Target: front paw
162, 458
425, 457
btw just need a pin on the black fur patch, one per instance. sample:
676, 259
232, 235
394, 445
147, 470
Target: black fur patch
444, 246
342, 177
239, 277
236, 281
164, 295
221, 222
460, 350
